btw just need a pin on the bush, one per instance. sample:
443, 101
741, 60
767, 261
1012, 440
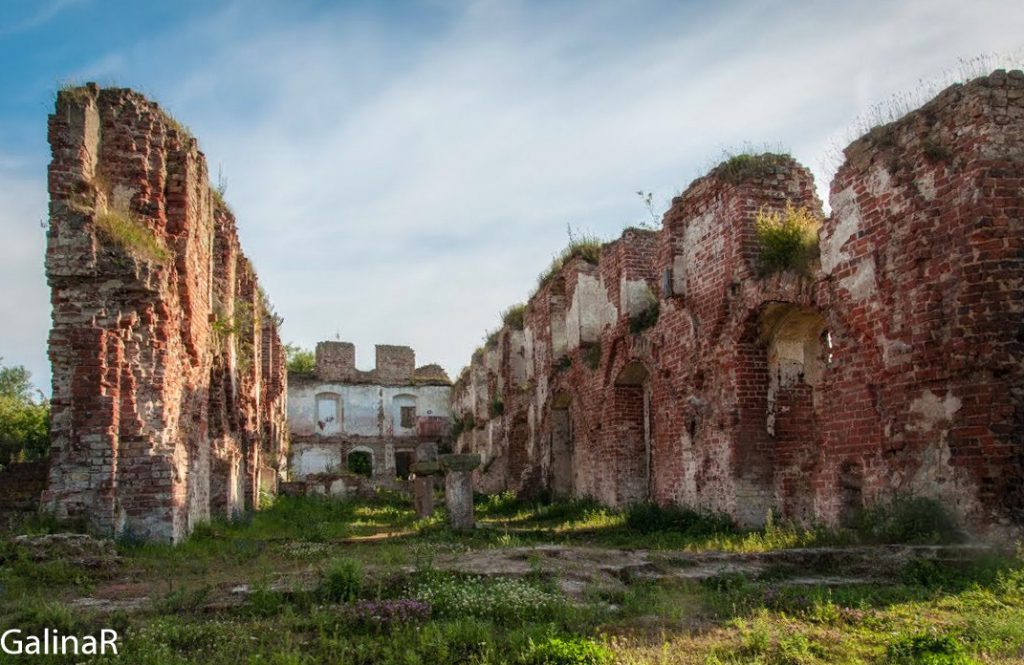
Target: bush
650, 518
343, 581
917, 520
513, 317
928, 649
300, 361
24, 422
571, 651
788, 239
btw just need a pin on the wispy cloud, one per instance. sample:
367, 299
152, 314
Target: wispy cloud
40, 17
404, 185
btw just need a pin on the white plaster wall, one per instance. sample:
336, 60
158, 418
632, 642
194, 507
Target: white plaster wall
361, 406
590, 311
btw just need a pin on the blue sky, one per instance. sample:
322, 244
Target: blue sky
402, 171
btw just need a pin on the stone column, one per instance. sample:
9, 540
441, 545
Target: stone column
423, 487
458, 489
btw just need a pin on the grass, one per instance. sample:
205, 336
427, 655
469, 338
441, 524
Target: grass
317, 593
788, 239
513, 317
586, 247
132, 235
739, 168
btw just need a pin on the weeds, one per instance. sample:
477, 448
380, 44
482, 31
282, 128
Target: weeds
916, 520
132, 235
737, 169
514, 316
586, 247
788, 239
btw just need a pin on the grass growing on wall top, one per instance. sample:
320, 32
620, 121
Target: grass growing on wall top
513, 317
586, 246
745, 166
132, 234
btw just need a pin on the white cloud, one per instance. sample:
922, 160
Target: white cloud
404, 186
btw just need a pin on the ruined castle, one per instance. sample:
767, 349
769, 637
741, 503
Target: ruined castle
670, 366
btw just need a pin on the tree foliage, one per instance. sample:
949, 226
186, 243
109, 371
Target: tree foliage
24, 418
300, 360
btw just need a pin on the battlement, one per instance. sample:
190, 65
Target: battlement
395, 365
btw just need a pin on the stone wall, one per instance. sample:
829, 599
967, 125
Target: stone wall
169, 378
893, 367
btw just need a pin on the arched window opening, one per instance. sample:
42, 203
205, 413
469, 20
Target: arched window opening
328, 413
360, 462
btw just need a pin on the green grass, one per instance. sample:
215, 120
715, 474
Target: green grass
737, 169
586, 247
788, 239
514, 316
132, 235
310, 588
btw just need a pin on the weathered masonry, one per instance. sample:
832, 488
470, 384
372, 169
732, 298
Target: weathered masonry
346, 422
673, 370
169, 379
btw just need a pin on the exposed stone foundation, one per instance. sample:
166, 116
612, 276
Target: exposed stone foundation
169, 379
895, 367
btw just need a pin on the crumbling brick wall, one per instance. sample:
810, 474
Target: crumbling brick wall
169, 379
893, 367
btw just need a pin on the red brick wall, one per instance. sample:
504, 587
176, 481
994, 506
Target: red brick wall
168, 373
918, 289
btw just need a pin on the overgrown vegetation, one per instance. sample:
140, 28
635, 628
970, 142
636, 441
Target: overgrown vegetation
300, 360
788, 239
513, 317
363, 582
131, 234
585, 246
742, 167
24, 418
592, 355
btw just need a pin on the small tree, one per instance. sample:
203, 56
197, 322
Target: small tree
300, 360
24, 418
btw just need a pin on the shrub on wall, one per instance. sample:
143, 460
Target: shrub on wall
788, 239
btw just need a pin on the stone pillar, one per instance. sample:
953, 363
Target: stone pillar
423, 487
458, 489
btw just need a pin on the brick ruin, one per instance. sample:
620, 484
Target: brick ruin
671, 370
169, 378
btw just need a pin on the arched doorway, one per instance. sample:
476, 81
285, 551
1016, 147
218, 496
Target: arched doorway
781, 361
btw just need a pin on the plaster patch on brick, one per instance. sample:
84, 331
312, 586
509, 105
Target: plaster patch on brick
846, 212
590, 311
861, 284
933, 410
635, 296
